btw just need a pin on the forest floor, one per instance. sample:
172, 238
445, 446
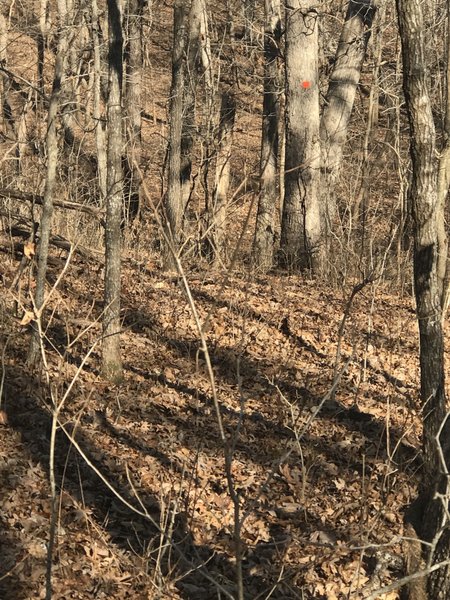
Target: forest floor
325, 426
322, 493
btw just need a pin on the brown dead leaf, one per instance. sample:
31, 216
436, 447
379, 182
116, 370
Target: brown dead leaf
29, 249
27, 318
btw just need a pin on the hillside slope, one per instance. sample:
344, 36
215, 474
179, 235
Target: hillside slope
323, 494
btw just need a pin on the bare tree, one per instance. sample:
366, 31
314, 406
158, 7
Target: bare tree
3, 59
340, 98
99, 120
430, 515
193, 66
134, 66
314, 147
112, 365
443, 267
301, 227
264, 232
50, 180
222, 176
174, 201
42, 39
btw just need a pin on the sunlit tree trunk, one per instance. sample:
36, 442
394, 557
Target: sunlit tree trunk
443, 267
431, 522
194, 67
50, 180
41, 45
340, 98
112, 364
173, 205
223, 170
3, 59
301, 226
264, 233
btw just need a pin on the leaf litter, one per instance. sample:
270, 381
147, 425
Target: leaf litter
314, 521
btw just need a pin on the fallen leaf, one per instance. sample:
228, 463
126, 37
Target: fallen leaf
27, 318
29, 249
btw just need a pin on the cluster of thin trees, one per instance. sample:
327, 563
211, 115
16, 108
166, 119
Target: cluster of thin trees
314, 138
105, 47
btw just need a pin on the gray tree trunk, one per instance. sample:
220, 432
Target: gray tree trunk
222, 176
99, 119
135, 13
174, 200
50, 180
431, 522
4, 60
443, 268
112, 364
301, 226
264, 232
340, 98
194, 67
42, 36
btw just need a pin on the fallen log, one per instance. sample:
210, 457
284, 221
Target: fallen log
98, 213
24, 227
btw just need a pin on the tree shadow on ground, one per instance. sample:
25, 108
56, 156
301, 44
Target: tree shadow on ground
224, 361
194, 565
11, 551
284, 327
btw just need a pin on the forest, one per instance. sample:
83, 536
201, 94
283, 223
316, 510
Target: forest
225, 285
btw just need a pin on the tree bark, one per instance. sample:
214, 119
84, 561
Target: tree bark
99, 119
174, 201
248, 14
3, 61
112, 364
135, 13
340, 98
41, 45
264, 232
194, 66
222, 177
432, 523
301, 225
443, 186
50, 181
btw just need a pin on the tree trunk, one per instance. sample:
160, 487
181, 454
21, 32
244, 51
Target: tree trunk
174, 201
112, 365
3, 61
41, 41
100, 136
424, 205
50, 180
340, 98
264, 233
194, 66
301, 220
222, 177
69, 92
135, 12
443, 186
361, 202
248, 14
